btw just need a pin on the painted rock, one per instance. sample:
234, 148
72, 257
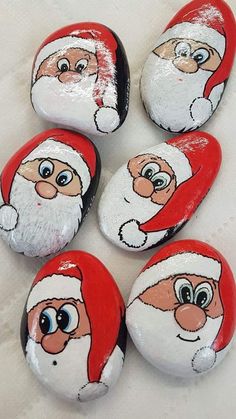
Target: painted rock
46, 189
152, 196
181, 312
80, 79
185, 75
73, 330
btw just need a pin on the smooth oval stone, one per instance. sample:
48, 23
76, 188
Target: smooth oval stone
185, 75
152, 196
80, 79
73, 331
46, 189
181, 312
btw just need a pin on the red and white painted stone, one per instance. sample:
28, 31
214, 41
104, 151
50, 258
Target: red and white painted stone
46, 188
181, 312
185, 75
80, 79
73, 329
152, 196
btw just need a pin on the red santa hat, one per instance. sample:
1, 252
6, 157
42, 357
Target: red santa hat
93, 37
193, 258
195, 159
210, 22
79, 275
75, 150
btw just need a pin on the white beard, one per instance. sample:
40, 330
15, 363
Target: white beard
44, 229
154, 333
69, 375
167, 99
114, 211
67, 104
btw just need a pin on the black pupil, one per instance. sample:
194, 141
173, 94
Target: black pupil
158, 182
148, 174
79, 68
44, 323
198, 57
45, 172
62, 180
186, 294
64, 67
184, 53
201, 298
62, 319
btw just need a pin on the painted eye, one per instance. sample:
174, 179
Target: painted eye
64, 178
160, 180
201, 55
150, 169
184, 291
46, 169
81, 65
63, 65
182, 49
47, 321
67, 318
203, 295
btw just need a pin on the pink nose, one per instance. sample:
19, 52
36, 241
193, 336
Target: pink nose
69, 77
55, 342
143, 187
46, 190
190, 317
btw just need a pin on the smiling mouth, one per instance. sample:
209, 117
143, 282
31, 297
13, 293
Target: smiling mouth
126, 200
188, 340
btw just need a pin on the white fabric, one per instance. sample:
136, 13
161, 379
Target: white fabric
141, 391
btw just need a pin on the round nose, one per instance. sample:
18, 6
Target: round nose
143, 187
45, 190
69, 77
55, 342
190, 317
186, 65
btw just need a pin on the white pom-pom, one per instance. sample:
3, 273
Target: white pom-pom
8, 217
92, 391
131, 235
106, 119
204, 359
201, 110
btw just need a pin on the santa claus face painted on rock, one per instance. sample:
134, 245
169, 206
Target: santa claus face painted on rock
83, 68
151, 197
184, 77
181, 312
73, 331
47, 187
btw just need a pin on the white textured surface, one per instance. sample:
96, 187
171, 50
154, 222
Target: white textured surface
141, 392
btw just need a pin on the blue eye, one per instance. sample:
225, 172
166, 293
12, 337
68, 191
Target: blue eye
46, 169
64, 178
182, 49
201, 55
67, 318
47, 321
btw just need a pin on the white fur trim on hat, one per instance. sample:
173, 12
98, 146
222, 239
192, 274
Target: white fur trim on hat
175, 158
196, 32
91, 391
62, 44
55, 286
54, 149
182, 263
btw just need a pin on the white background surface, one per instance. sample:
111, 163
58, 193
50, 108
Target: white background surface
141, 392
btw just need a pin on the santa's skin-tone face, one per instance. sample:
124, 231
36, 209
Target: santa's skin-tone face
51, 177
69, 65
52, 323
152, 178
188, 55
191, 298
